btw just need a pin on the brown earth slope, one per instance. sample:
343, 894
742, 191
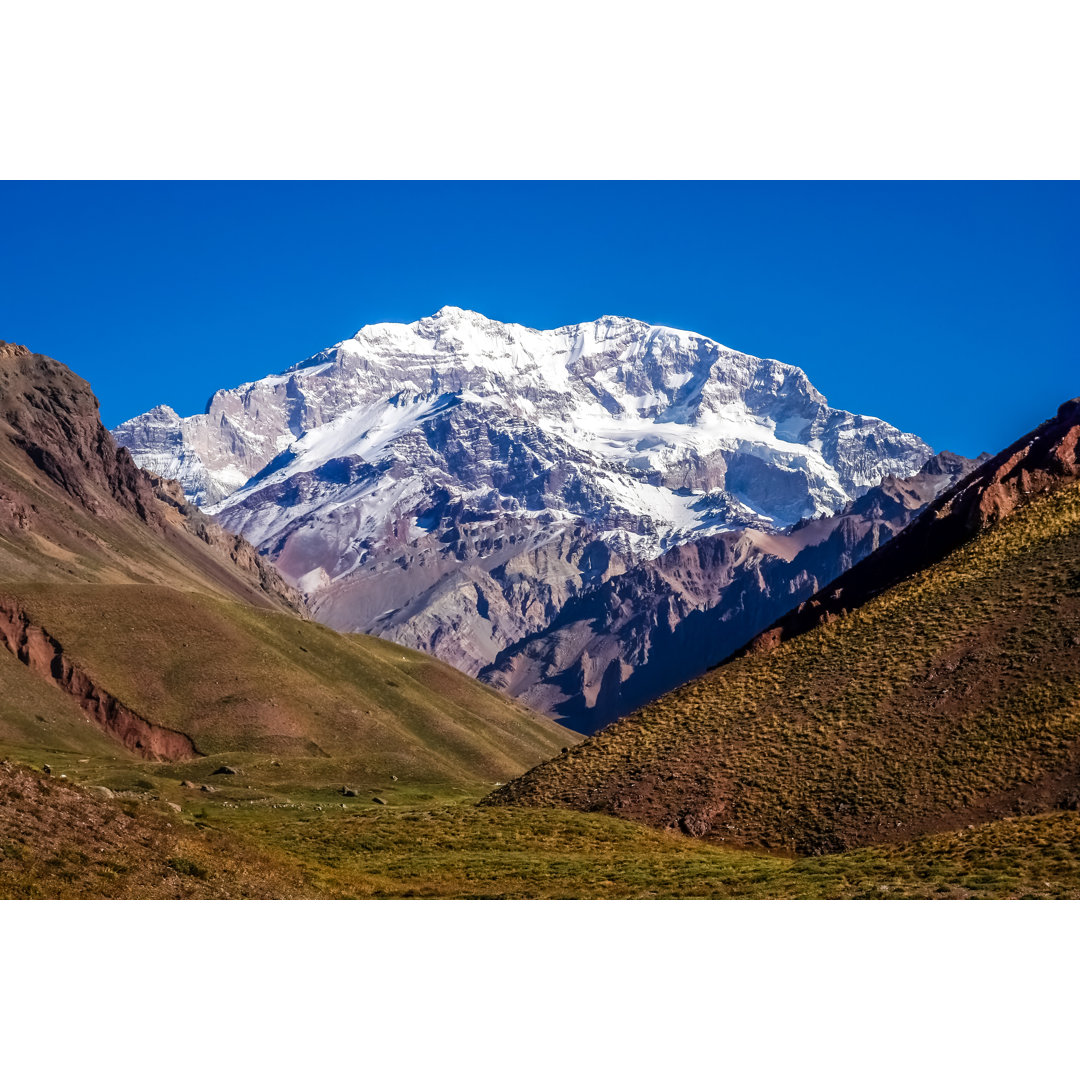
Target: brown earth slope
952, 696
74, 507
59, 841
132, 624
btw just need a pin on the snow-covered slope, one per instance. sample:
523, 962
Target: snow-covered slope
452, 482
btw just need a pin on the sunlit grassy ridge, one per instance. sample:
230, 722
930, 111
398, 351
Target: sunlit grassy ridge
246, 680
953, 697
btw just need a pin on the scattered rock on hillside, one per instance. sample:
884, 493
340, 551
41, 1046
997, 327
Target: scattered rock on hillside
225, 770
381, 802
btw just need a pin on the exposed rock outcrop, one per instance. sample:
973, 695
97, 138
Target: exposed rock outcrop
42, 653
52, 416
57, 463
253, 566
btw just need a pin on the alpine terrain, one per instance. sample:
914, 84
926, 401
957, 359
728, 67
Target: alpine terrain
133, 628
172, 725
935, 685
481, 491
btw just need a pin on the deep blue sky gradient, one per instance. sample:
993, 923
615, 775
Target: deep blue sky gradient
949, 309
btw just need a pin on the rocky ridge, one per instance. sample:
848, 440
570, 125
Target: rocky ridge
58, 463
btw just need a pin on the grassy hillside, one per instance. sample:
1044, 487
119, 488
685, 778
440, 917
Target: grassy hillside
63, 840
950, 699
503, 853
243, 680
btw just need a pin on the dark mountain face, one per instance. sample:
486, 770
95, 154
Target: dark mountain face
934, 685
639, 634
50, 414
76, 507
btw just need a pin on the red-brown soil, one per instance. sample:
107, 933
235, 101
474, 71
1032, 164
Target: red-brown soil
43, 655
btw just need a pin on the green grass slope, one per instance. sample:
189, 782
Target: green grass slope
249, 681
457, 852
952, 698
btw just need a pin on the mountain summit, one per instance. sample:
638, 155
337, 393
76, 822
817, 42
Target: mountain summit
453, 482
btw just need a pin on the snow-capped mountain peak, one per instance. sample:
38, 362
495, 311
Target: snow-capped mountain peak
463, 449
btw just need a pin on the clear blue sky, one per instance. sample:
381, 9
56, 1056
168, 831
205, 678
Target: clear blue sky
950, 309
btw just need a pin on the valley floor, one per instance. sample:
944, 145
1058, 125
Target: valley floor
65, 838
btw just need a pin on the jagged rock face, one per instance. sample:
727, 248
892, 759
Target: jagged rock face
185, 451
52, 443
455, 482
252, 566
51, 415
615, 647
